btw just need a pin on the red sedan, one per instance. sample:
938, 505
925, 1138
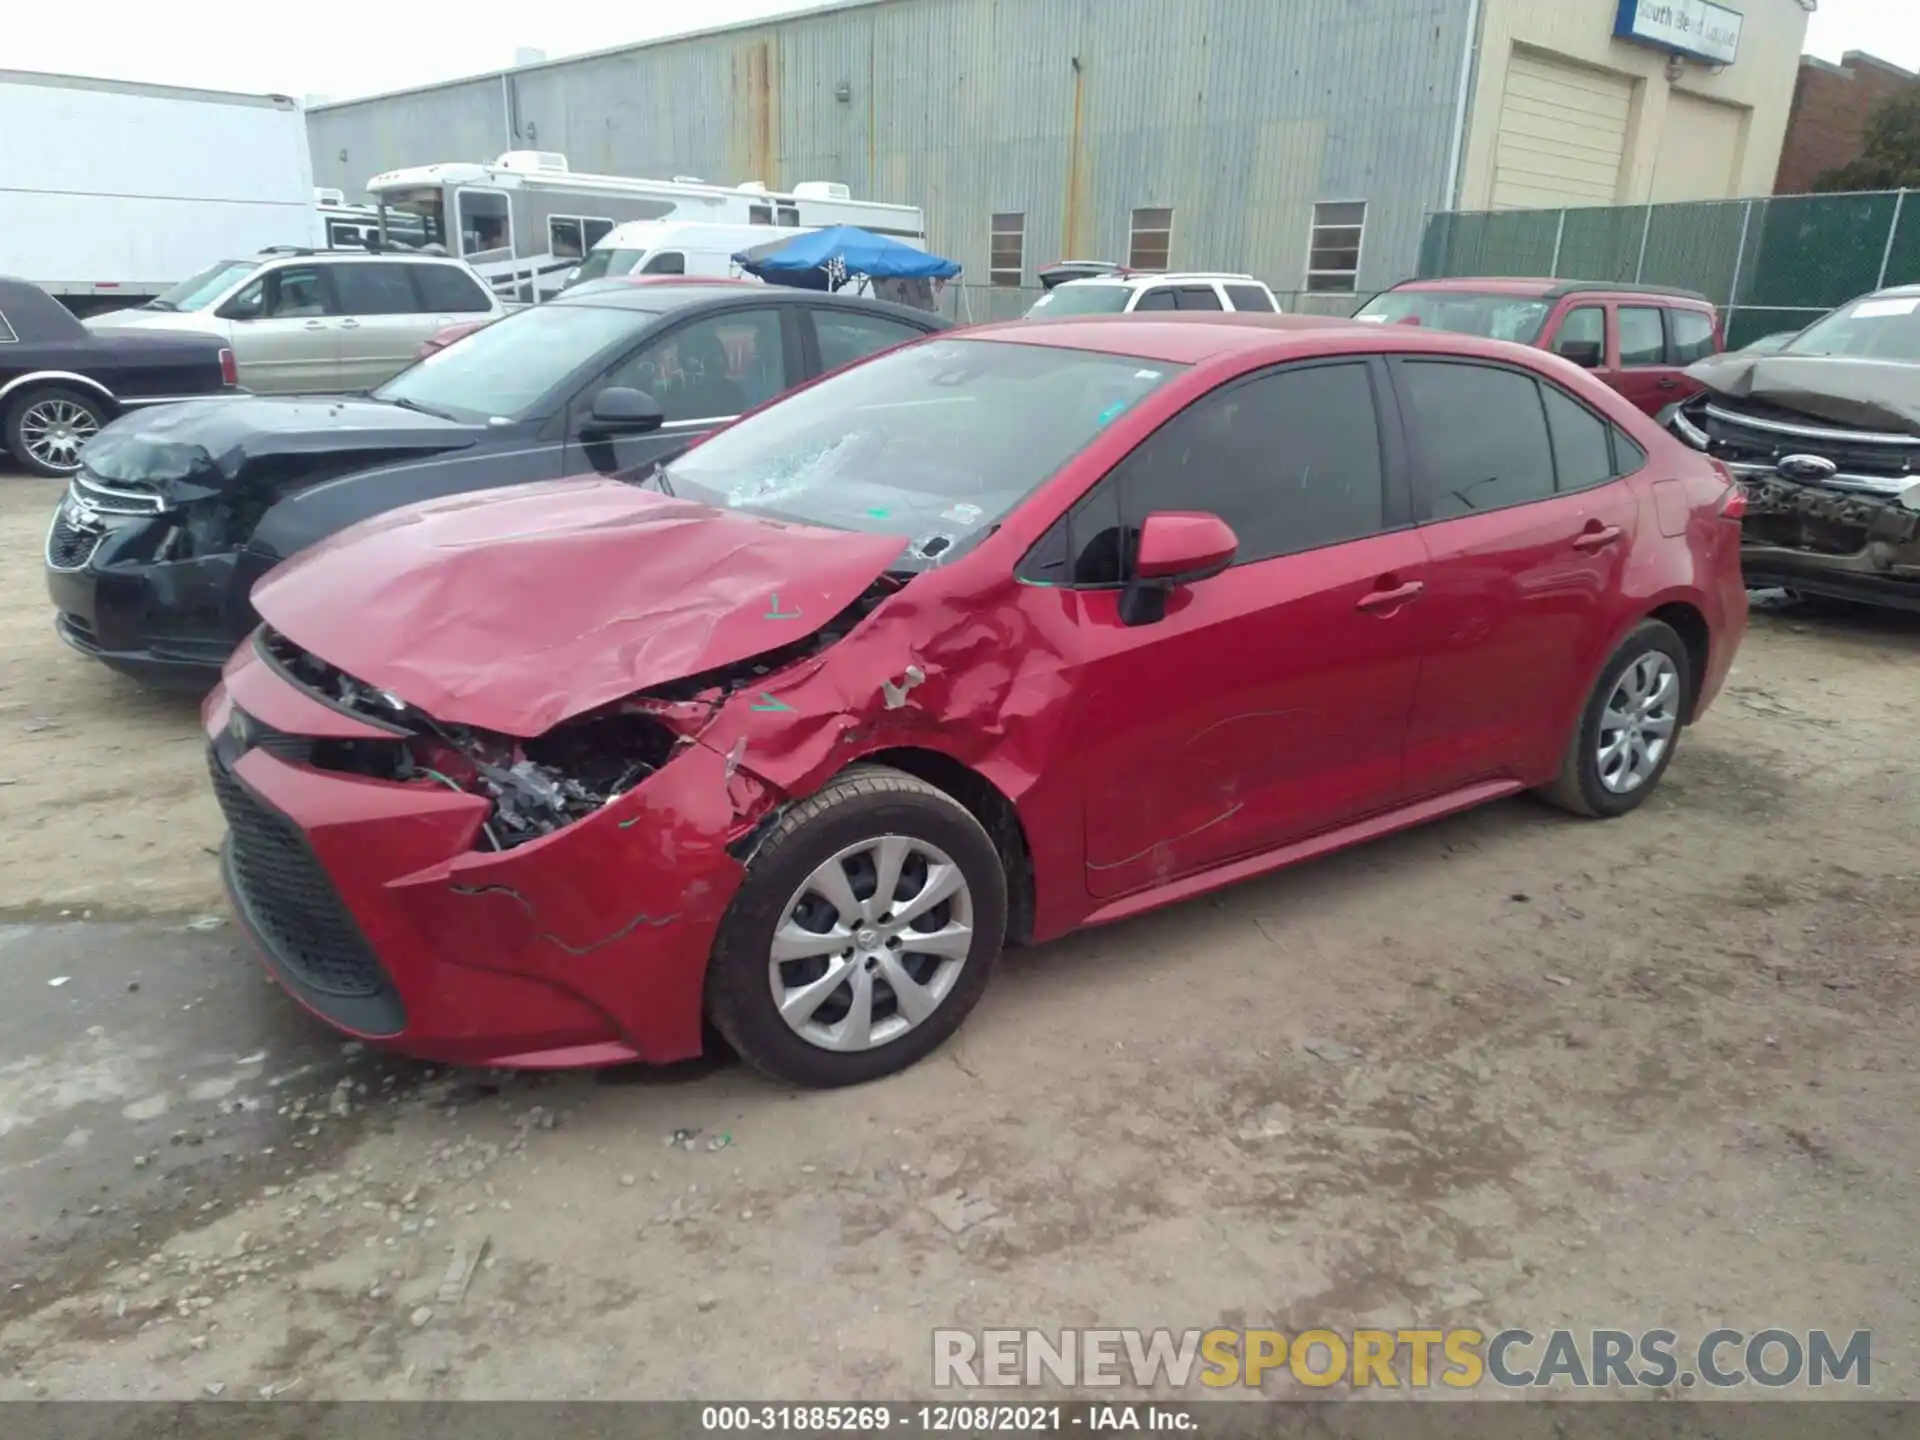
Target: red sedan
979, 641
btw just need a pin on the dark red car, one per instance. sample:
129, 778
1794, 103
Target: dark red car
988, 638
1637, 338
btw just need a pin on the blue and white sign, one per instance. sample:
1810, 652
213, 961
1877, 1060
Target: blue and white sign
1696, 28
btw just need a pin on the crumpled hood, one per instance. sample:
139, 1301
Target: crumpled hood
1866, 394
206, 447
518, 608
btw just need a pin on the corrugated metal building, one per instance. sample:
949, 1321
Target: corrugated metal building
1238, 116
1302, 140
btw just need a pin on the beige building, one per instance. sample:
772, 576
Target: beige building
1564, 111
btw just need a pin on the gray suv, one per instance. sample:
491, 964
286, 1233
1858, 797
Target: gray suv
316, 320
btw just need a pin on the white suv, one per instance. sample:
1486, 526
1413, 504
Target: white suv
1122, 293
317, 320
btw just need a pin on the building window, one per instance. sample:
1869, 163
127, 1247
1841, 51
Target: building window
1008, 262
1333, 250
1151, 241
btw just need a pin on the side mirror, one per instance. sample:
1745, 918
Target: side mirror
235, 310
1584, 353
621, 410
1176, 547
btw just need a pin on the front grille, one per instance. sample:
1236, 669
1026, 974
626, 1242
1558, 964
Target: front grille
1741, 437
290, 899
68, 546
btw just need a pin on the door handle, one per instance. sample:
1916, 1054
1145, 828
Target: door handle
349, 324
316, 325
1388, 599
1596, 538
1669, 383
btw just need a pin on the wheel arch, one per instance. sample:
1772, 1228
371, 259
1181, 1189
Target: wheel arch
40, 379
1689, 622
995, 811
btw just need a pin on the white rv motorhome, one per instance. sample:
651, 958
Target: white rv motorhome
357, 227
526, 219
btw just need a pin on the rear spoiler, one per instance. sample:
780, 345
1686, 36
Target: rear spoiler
1062, 271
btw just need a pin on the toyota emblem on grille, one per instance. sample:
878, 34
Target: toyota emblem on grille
83, 516
238, 728
1811, 469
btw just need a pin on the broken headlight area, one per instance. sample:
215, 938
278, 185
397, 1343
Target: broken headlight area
1829, 522
535, 786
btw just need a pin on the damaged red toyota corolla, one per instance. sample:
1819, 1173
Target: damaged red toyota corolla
974, 643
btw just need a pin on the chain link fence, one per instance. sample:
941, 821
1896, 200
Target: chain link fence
1770, 265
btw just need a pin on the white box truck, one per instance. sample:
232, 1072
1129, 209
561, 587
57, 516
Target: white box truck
112, 191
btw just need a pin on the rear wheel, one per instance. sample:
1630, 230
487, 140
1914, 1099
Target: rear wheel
47, 426
1629, 726
866, 929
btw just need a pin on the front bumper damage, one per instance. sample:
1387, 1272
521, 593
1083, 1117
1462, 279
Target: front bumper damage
147, 588
383, 907
1851, 534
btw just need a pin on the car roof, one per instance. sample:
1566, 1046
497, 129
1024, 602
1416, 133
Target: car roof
1195, 338
1161, 277
1543, 288
352, 257
658, 299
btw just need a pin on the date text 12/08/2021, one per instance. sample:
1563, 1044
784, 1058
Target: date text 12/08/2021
961, 1419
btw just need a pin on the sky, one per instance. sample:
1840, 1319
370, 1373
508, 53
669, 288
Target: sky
236, 45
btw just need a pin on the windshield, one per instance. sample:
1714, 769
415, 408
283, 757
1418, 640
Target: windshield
1876, 328
1465, 312
503, 371
606, 261
1079, 298
936, 442
414, 219
199, 291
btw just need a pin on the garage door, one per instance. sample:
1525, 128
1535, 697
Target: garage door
1699, 144
1563, 130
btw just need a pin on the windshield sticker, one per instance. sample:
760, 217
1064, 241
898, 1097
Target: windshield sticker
769, 704
963, 514
877, 513
1146, 374
1873, 309
774, 611
1113, 412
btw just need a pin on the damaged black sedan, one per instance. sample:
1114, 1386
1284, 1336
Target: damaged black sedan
152, 556
1823, 435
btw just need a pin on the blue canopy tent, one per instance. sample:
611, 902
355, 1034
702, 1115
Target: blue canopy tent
827, 259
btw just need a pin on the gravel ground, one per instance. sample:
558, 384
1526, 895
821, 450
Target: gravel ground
1511, 1069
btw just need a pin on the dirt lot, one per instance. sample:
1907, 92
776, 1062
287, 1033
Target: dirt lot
1512, 1069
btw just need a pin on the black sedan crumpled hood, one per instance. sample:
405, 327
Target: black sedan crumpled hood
264, 445
1841, 390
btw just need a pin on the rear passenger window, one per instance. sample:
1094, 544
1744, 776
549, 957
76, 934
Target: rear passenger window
1290, 460
1643, 341
1155, 300
1482, 436
1582, 454
1692, 336
1249, 297
373, 289
847, 338
1199, 297
449, 288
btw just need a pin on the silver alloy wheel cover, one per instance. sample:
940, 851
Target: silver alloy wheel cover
1638, 722
866, 943
53, 430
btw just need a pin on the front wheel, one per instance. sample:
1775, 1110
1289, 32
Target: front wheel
46, 428
1628, 727
866, 929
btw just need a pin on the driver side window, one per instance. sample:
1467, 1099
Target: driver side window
712, 369
294, 292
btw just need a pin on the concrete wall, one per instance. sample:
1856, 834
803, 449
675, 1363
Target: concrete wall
1238, 114
1830, 107
1751, 96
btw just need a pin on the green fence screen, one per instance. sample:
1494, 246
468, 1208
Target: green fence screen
1773, 264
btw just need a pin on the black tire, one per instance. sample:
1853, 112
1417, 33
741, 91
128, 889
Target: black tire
1578, 788
866, 801
24, 404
